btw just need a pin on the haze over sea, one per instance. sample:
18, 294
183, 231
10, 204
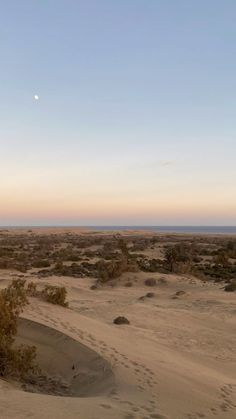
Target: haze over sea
161, 229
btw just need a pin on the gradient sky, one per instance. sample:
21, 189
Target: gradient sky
136, 118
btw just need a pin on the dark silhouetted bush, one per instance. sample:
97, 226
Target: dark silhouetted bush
230, 287
150, 294
121, 320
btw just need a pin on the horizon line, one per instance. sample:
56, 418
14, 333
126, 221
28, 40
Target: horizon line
115, 225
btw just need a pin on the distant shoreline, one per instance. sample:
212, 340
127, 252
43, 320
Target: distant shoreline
154, 229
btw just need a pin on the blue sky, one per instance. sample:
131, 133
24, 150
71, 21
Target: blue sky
135, 122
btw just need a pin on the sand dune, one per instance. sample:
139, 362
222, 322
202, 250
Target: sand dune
175, 360
82, 371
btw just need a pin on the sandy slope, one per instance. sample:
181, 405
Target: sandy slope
83, 371
176, 359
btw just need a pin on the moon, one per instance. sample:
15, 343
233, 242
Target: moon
36, 97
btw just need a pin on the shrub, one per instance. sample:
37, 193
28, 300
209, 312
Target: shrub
129, 284
14, 361
44, 263
150, 294
31, 289
150, 282
178, 257
230, 287
222, 259
55, 295
111, 270
121, 320
150, 265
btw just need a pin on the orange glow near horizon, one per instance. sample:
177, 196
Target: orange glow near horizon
106, 212
78, 196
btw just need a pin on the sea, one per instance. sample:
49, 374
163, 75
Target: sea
161, 229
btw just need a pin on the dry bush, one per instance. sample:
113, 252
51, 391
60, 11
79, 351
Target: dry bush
111, 270
150, 295
55, 295
31, 289
151, 265
121, 320
51, 293
14, 361
41, 263
150, 282
231, 287
178, 258
118, 264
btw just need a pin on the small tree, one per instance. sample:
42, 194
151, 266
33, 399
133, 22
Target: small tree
171, 258
177, 256
222, 259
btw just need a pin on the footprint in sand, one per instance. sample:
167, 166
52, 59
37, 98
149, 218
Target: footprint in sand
196, 415
135, 409
148, 409
214, 411
227, 394
105, 406
134, 363
126, 402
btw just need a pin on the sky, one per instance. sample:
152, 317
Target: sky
135, 119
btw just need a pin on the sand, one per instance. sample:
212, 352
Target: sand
83, 371
176, 359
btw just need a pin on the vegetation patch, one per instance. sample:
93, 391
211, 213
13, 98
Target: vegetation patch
15, 361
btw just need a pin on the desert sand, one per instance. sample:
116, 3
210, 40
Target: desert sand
175, 360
